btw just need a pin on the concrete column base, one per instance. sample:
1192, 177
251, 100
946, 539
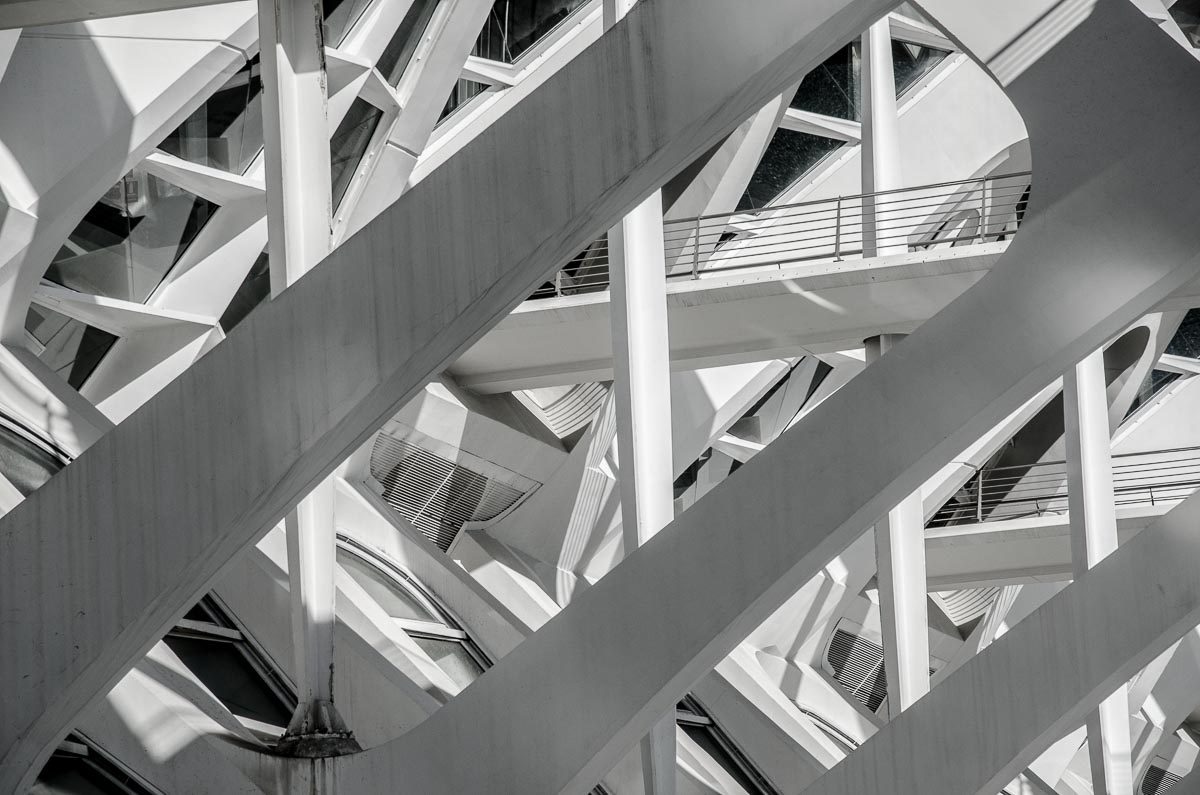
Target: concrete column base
317, 731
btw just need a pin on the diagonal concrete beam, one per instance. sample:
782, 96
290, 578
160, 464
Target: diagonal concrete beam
34, 13
113, 550
1110, 232
993, 717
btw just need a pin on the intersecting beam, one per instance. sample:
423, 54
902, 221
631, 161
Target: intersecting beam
563, 707
34, 13
114, 549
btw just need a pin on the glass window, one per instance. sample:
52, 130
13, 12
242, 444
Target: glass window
395, 601
340, 16
1186, 341
226, 131
789, 156
429, 627
835, 87
349, 144
76, 768
23, 461
696, 723
219, 656
399, 51
254, 289
70, 348
1154, 383
513, 26
463, 91
911, 62
130, 239
1186, 14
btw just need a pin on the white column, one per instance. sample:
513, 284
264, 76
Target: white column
880, 138
642, 382
299, 234
903, 610
1094, 537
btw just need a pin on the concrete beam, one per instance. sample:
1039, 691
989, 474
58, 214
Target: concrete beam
35, 13
115, 548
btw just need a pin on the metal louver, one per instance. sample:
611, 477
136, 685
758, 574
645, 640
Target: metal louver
1157, 781
438, 495
857, 664
967, 604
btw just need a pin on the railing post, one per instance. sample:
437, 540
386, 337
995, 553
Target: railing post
837, 232
983, 211
1152, 496
558, 283
696, 251
979, 499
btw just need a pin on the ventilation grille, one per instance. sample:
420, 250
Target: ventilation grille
857, 664
438, 495
1158, 780
966, 605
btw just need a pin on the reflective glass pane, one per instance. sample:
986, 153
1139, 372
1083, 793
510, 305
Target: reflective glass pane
71, 348
226, 671
452, 657
399, 51
349, 144
1154, 383
226, 131
253, 291
395, 600
1186, 14
340, 16
706, 738
788, 157
130, 239
26, 464
911, 62
834, 88
513, 26
1186, 341
66, 774
463, 90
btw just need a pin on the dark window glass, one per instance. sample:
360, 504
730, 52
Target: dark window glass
340, 16
463, 90
789, 156
70, 348
130, 239
226, 131
697, 724
835, 87
399, 51
1186, 341
395, 600
253, 291
26, 464
1155, 382
911, 62
1186, 14
513, 26
349, 144
84, 773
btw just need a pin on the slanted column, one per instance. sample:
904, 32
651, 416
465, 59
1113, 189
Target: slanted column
903, 603
1094, 537
299, 234
642, 383
880, 141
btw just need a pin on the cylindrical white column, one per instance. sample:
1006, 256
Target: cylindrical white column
903, 600
880, 142
1094, 537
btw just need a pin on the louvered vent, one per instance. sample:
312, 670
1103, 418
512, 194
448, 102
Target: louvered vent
568, 412
857, 664
438, 495
965, 605
1158, 780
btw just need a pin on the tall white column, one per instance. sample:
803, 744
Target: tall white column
299, 236
642, 382
1094, 537
903, 605
880, 139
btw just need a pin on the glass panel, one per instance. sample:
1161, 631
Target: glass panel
253, 291
349, 144
24, 463
130, 239
704, 737
513, 26
340, 16
1151, 386
452, 657
67, 774
396, 601
400, 49
1186, 341
224, 670
1186, 14
789, 156
70, 348
834, 88
226, 131
463, 91
911, 62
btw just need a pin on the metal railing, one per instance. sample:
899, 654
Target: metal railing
944, 215
1014, 492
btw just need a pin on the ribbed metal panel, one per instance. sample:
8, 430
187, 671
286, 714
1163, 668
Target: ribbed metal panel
1158, 781
437, 495
857, 664
573, 410
966, 605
